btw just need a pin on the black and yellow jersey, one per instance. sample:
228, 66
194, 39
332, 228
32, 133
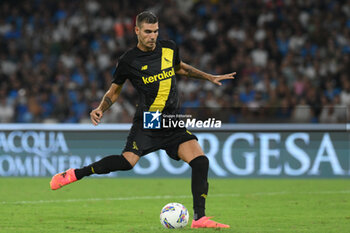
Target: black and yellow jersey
153, 75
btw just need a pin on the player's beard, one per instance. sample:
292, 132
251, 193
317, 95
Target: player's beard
147, 45
150, 45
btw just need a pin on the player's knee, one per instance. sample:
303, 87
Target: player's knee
127, 165
200, 161
131, 158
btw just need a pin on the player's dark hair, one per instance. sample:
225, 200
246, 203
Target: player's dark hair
146, 17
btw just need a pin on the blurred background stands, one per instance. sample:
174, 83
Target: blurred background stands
291, 57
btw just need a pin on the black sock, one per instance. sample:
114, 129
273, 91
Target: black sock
104, 166
199, 185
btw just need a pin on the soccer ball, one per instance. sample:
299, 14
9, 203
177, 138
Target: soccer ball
174, 215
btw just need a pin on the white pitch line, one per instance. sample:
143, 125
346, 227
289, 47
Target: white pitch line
168, 197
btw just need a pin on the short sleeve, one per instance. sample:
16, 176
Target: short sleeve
120, 74
177, 56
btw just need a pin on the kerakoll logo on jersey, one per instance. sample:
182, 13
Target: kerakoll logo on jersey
160, 76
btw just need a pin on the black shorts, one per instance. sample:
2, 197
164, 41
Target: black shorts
143, 141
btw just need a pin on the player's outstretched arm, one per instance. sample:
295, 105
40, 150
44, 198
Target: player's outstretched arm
108, 99
190, 71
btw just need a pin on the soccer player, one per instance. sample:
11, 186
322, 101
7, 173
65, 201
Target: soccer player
151, 67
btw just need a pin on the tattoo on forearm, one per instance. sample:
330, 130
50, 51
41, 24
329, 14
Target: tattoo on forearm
194, 73
189, 72
107, 102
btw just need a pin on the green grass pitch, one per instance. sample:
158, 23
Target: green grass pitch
133, 205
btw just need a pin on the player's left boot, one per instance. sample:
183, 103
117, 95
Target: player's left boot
205, 222
61, 179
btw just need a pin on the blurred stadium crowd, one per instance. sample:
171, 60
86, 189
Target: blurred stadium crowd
291, 57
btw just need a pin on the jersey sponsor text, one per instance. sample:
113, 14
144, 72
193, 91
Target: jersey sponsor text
163, 75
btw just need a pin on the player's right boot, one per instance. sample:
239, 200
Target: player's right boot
61, 179
205, 222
